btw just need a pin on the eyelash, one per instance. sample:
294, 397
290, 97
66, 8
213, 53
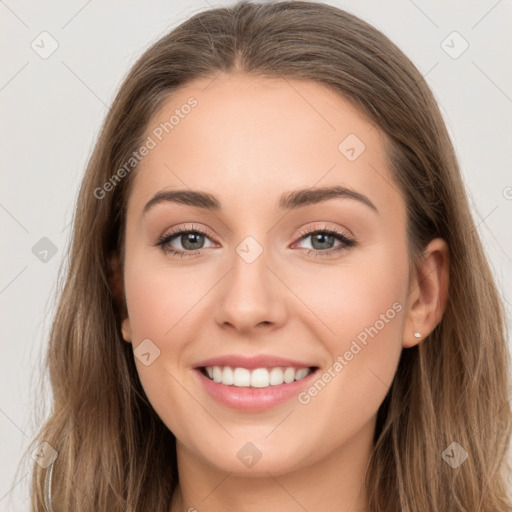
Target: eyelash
347, 243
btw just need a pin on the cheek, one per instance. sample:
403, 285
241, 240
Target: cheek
361, 307
348, 299
159, 297
160, 308
150, 308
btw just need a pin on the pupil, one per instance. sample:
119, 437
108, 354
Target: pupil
189, 238
319, 237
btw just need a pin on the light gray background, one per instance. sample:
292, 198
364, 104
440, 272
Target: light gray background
51, 110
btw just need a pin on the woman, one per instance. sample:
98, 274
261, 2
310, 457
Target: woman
203, 358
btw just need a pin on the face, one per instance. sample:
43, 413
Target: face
256, 279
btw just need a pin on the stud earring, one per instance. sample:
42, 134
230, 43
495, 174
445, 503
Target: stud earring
417, 334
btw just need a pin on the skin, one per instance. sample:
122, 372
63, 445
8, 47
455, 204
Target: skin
248, 140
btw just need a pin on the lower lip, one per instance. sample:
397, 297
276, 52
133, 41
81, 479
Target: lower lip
253, 399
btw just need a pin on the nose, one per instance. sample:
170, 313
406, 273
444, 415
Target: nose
251, 296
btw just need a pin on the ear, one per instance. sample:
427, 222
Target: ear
428, 293
115, 279
126, 330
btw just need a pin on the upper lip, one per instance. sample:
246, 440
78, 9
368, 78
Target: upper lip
259, 361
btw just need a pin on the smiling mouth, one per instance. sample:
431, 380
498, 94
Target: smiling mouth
255, 377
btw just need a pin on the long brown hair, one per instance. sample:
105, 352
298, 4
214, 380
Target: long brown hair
113, 451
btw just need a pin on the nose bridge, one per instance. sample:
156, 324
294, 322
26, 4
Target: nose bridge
250, 262
251, 293
250, 275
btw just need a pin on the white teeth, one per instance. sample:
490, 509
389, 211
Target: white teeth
256, 378
289, 375
217, 374
276, 376
241, 377
227, 376
300, 374
260, 378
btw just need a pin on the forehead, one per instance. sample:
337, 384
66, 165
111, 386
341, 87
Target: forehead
254, 138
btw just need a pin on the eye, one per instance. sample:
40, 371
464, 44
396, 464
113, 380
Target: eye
190, 239
323, 239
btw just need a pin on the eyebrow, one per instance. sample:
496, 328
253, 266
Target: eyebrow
288, 200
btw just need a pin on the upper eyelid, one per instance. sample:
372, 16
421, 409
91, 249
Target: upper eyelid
306, 231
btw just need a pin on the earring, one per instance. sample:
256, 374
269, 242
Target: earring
417, 334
